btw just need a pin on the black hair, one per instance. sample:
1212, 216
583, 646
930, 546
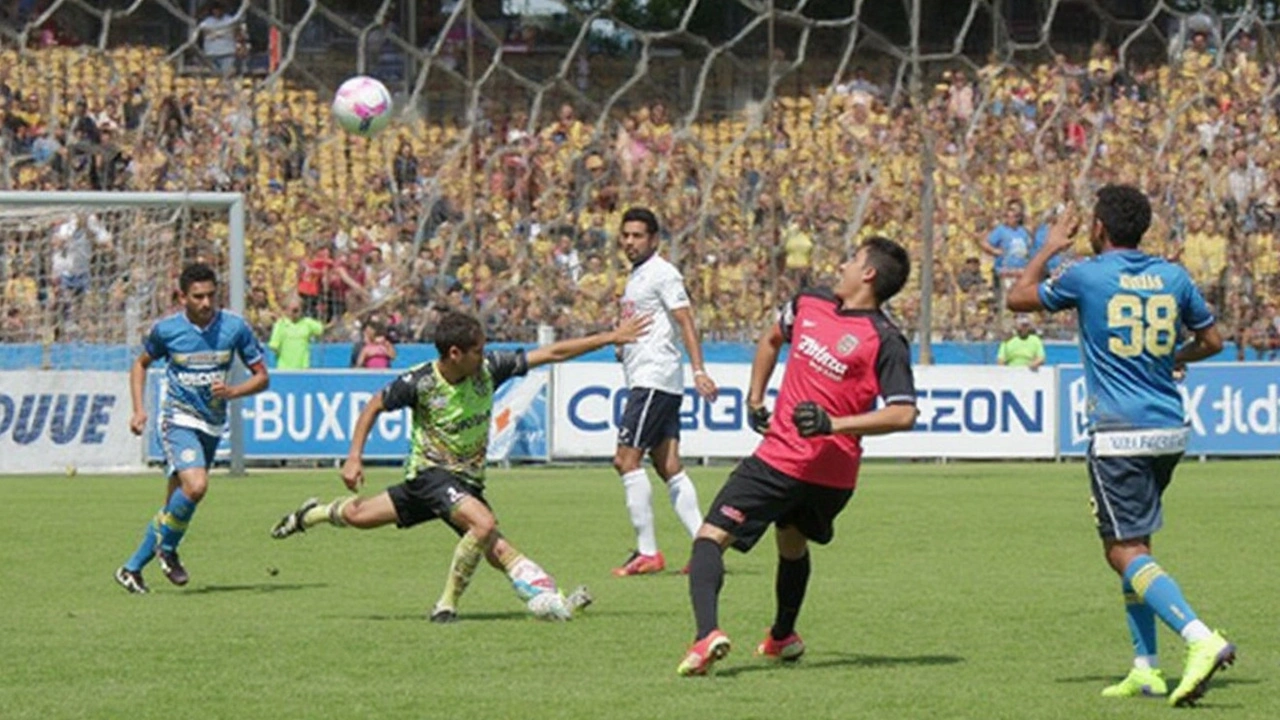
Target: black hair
457, 329
644, 215
1125, 212
194, 273
891, 263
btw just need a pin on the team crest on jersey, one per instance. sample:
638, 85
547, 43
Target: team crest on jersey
847, 344
438, 402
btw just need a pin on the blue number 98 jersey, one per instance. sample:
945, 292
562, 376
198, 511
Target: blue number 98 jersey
197, 358
1131, 307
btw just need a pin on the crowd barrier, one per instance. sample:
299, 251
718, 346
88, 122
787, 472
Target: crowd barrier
51, 420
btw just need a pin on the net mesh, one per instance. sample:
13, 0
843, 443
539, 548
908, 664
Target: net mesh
84, 282
770, 136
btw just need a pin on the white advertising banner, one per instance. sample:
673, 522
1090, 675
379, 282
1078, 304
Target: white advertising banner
965, 412
57, 421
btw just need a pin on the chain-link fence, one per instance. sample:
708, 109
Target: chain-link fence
769, 136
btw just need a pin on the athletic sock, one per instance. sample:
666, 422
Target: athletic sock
1162, 594
147, 548
706, 577
792, 580
1142, 627
466, 558
330, 513
684, 500
174, 519
639, 495
527, 577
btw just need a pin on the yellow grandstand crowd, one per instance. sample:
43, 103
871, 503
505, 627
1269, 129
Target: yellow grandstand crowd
515, 217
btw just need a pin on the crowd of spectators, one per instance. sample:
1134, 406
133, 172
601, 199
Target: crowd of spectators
515, 217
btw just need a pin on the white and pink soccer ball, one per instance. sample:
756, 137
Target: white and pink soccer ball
362, 106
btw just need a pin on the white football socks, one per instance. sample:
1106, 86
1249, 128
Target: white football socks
684, 500
639, 494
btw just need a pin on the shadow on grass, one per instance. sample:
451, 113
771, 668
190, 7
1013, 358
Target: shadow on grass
830, 660
421, 617
1219, 680
254, 587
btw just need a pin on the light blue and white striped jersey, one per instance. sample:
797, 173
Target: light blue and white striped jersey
197, 358
1130, 308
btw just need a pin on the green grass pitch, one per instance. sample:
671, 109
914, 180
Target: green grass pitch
951, 591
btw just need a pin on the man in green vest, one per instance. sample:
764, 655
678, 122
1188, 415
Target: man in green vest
1025, 349
291, 337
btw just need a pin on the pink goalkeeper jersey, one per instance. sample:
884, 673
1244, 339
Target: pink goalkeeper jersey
842, 360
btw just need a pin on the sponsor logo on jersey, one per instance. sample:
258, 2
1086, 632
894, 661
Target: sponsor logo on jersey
210, 358
199, 379
821, 358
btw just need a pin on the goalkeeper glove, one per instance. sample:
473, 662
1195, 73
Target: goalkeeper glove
758, 419
810, 419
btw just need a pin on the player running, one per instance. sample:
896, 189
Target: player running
198, 343
451, 401
651, 420
844, 354
1130, 307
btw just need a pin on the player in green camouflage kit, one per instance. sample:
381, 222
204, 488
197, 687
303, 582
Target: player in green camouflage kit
451, 401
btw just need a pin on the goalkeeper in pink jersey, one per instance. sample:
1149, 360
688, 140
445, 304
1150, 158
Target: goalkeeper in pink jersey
845, 353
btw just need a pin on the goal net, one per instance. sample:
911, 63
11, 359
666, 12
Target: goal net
770, 136
88, 273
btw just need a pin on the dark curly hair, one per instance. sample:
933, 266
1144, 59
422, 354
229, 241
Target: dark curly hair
1125, 212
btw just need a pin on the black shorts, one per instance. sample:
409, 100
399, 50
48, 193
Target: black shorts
432, 493
1126, 492
650, 417
757, 496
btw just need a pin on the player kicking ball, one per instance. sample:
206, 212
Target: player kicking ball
451, 401
845, 353
1130, 307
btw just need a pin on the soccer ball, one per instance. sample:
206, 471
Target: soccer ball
362, 106
550, 605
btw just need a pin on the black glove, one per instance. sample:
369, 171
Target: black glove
758, 419
810, 419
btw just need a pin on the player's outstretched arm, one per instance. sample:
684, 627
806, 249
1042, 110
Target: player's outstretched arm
353, 468
137, 386
629, 330
1024, 295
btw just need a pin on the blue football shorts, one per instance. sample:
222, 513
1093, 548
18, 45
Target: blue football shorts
1127, 488
185, 448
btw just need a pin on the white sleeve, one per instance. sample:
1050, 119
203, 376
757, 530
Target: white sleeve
671, 291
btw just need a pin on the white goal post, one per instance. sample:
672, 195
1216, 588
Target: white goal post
14, 206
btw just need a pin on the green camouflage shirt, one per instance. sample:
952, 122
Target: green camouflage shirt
450, 423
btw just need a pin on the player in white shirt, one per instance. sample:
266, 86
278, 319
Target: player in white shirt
651, 420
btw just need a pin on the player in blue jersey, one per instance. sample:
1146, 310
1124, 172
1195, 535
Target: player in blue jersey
198, 344
1131, 307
